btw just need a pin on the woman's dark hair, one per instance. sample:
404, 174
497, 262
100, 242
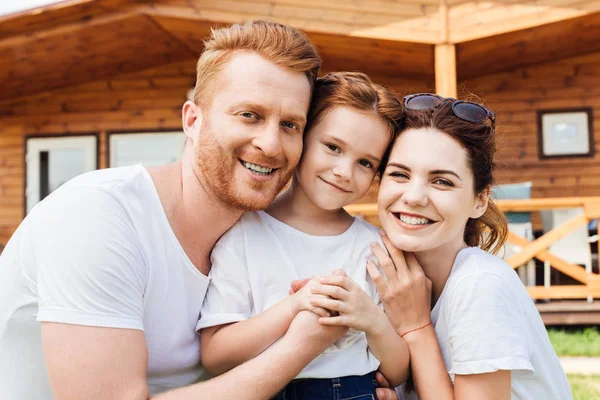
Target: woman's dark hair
479, 140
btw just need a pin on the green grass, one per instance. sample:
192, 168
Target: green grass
585, 387
580, 342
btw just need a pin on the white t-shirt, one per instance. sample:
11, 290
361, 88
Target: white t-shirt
485, 321
99, 251
254, 263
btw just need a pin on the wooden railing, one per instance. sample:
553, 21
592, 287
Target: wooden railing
529, 249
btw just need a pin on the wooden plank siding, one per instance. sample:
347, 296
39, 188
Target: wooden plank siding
146, 100
516, 96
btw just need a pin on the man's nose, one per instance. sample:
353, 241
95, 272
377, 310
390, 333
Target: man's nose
269, 140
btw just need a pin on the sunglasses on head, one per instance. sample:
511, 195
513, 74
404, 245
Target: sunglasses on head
465, 110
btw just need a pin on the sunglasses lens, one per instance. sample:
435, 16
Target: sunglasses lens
470, 112
425, 102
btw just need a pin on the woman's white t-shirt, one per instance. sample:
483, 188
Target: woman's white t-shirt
485, 321
254, 263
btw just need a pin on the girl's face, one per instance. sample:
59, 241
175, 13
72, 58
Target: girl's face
427, 194
341, 156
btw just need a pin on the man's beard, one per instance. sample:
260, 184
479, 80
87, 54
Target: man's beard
217, 167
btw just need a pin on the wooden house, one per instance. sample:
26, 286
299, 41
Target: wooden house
95, 81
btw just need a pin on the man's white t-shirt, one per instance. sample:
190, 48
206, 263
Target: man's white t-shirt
485, 321
254, 263
99, 251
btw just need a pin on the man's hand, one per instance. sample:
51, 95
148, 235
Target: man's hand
306, 328
384, 391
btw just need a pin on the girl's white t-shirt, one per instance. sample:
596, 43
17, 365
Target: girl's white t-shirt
254, 263
486, 321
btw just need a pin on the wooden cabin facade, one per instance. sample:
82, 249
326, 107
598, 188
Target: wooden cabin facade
100, 67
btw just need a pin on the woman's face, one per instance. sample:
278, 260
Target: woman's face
427, 194
341, 156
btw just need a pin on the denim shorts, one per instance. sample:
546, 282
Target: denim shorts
345, 388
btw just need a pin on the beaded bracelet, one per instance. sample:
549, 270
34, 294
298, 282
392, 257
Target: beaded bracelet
416, 329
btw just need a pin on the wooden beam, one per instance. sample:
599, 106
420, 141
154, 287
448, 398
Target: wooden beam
445, 70
563, 292
24, 39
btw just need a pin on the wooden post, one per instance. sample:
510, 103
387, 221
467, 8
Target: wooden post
445, 57
445, 70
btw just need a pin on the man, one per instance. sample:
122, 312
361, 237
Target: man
102, 284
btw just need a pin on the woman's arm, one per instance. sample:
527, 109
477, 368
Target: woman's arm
358, 311
226, 346
406, 294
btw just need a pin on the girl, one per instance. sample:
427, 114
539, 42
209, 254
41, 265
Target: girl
304, 233
484, 331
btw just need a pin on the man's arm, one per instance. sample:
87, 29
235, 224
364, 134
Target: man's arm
101, 363
226, 346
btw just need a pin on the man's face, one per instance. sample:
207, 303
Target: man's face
250, 136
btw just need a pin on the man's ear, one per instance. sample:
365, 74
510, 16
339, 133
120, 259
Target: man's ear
191, 120
481, 203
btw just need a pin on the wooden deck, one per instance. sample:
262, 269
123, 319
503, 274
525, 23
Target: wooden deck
574, 312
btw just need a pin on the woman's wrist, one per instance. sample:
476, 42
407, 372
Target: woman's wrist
417, 334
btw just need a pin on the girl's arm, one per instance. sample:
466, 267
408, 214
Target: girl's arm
224, 347
358, 311
406, 294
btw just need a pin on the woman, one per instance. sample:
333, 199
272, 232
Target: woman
483, 338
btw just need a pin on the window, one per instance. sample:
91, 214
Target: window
51, 161
145, 148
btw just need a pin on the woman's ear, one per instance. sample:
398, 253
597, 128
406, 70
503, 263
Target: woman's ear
481, 203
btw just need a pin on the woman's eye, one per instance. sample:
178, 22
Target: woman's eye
366, 163
442, 182
333, 147
397, 174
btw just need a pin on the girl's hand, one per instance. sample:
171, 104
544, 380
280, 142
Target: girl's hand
355, 308
301, 299
406, 293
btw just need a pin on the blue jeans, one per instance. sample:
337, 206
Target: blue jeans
344, 388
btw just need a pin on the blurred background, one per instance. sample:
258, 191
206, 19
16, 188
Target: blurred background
87, 84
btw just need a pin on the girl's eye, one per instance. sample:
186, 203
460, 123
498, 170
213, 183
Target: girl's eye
442, 182
333, 147
366, 163
289, 125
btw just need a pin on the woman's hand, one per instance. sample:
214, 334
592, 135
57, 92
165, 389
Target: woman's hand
354, 307
405, 291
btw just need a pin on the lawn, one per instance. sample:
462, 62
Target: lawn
575, 342
585, 387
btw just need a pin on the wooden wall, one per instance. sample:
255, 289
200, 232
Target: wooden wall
147, 100
516, 96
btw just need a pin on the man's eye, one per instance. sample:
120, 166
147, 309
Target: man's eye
366, 163
290, 125
248, 115
333, 147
